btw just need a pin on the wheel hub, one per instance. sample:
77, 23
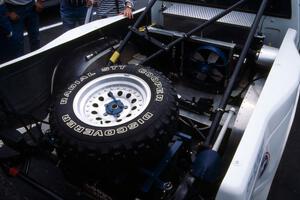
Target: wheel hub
114, 108
112, 100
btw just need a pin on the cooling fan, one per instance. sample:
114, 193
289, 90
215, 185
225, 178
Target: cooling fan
208, 68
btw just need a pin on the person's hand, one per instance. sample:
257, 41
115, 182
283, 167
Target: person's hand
128, 12
13, 16
39, 6
89, 2
9, 35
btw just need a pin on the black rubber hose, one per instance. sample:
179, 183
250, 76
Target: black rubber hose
219, 113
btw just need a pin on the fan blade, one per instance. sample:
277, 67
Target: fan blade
212, 58
216, 75
201, 76
198, 57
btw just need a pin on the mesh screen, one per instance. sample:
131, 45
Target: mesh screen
280, 8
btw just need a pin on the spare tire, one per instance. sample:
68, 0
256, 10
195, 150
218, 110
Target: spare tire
117, 110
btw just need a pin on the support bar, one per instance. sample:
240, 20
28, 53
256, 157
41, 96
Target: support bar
237, 69
223, 130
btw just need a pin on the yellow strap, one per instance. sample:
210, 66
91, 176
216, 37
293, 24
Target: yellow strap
143, 28
114, 58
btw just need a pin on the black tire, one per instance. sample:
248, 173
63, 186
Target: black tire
154, 126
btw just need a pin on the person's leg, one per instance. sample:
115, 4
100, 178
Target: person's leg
5, 26
3, 45
8, 49
5, 33
81, 15
17, 39
69, 22
32, 25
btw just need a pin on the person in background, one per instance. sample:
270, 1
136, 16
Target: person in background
5, 35
108, 8
73, 12
24, 14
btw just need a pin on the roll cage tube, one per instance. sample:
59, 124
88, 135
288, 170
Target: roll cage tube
115, 56
220, 110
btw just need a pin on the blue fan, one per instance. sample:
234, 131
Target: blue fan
210, 63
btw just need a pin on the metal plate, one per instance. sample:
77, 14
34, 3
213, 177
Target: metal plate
245, 112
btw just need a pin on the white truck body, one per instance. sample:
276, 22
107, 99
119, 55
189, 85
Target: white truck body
267, 130
258, 155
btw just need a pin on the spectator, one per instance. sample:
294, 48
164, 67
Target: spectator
108, 8
24, 14
5, 35
73, 13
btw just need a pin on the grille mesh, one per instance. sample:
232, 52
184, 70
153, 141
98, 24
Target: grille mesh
206, 13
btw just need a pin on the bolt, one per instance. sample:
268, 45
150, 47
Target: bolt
125, 107
168, 186
105, 114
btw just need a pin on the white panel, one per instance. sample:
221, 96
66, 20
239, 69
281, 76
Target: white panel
268, 127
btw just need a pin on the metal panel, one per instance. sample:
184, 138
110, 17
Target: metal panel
206, 13
245, 112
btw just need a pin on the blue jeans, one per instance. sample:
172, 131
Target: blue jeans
5, 26
29, 19
6, 42
7, 48
72, 16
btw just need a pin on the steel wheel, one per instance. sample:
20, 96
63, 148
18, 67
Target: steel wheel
112, 100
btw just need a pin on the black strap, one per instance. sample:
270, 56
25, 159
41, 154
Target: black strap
117, 6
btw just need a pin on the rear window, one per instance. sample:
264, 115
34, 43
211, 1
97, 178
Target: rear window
278, 8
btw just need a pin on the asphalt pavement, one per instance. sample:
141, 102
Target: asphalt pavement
286, 184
